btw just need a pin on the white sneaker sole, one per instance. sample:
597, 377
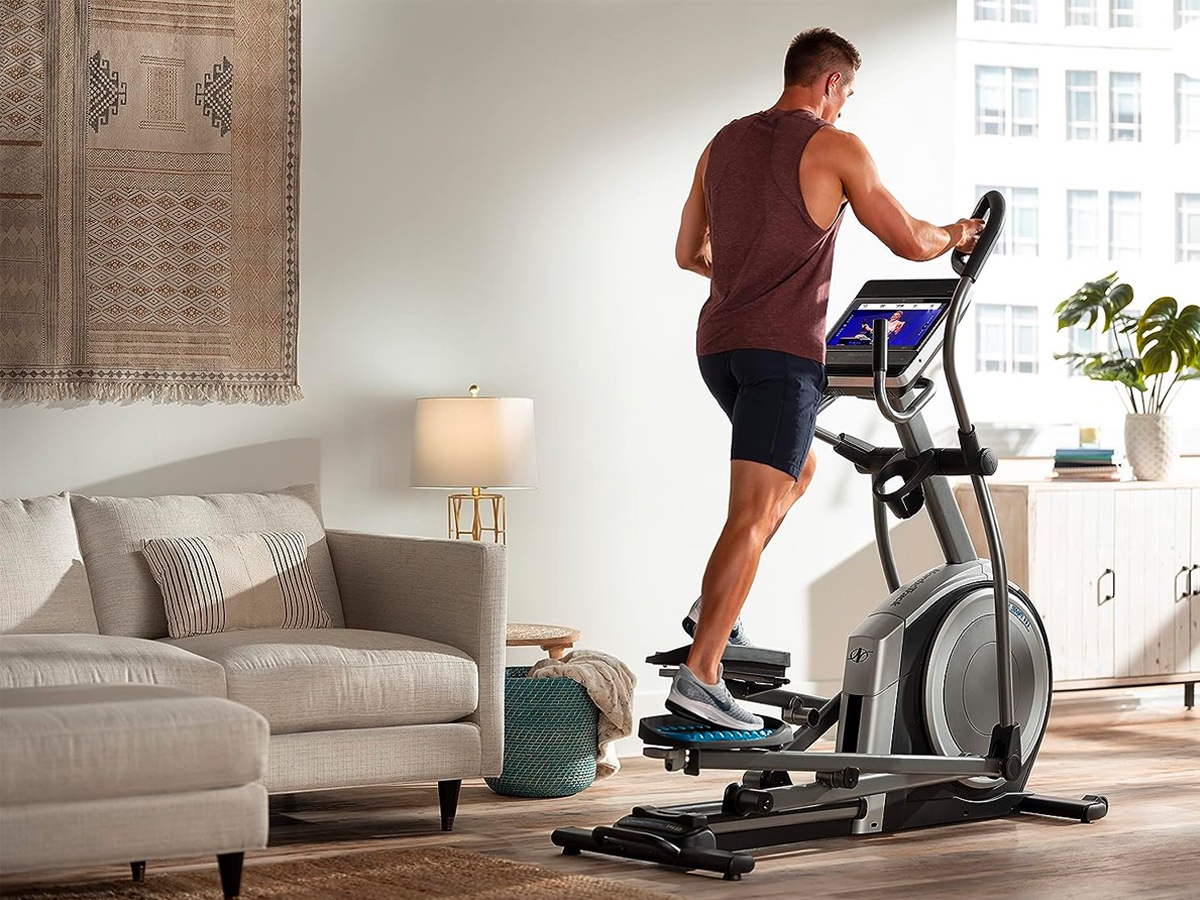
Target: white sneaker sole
708, 714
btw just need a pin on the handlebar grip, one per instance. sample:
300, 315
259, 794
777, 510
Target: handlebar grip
879, 345
991, 207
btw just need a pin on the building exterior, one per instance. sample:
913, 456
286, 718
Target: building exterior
1086, 115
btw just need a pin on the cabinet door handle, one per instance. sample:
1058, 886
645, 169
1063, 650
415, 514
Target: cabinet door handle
1187, 587
1194, 587
1112, 595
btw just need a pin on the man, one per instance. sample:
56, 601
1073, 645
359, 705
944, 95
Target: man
760, 222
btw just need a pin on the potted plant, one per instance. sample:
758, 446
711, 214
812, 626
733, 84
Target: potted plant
1149, 356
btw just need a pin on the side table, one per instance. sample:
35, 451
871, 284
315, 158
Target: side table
554, 639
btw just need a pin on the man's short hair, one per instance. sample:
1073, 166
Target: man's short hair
816, 51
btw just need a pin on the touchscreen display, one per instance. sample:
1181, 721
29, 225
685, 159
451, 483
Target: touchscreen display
908, 323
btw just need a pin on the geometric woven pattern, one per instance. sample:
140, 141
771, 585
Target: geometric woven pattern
148, 239
22, 58
550, 727
107, 93
158, 258
215, 96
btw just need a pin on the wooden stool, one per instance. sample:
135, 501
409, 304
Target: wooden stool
554, 639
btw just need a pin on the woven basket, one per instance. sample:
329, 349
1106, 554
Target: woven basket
549, 737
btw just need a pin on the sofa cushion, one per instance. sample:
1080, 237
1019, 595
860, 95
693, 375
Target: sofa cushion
94, 742
111, 531
43, 585
37, 660
326, 678
227, 582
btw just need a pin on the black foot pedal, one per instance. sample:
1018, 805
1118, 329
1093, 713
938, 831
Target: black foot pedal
678, 731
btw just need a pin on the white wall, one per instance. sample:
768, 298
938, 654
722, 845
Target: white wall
491, 193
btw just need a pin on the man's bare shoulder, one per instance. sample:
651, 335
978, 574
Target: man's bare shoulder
836, 140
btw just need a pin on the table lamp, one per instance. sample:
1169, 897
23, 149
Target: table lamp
479, 443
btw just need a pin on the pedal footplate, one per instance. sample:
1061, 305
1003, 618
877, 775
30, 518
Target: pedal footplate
678, 731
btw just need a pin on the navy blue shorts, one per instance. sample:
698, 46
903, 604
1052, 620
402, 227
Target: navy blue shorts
772, 398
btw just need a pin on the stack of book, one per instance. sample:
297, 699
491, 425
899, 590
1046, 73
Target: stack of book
1086, 464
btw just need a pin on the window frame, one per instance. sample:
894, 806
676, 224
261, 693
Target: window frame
1077, 129
1011, 83
1115, 127
1011, 318
1118, 253
1077, 249
1186, 133
1117, 11
1186, 206
1077, 8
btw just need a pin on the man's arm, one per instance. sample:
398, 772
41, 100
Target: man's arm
882, 214
692, 248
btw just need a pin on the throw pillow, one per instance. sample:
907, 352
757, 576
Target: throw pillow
231, 582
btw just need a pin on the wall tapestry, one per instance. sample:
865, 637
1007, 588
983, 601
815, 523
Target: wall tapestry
149, 200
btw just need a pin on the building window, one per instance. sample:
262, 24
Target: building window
1187, 228
1006, 338
1125, 106
1020, 238
1024, 11
1081, 106
1083, 224
1187, 108
1006, 11
1124, 225
989, 10
1006, 101
1088, 340
1186, 12
1081, 12
1122, 14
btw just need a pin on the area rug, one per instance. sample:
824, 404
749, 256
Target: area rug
417, 874
149, 201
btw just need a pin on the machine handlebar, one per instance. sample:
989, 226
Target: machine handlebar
991, 208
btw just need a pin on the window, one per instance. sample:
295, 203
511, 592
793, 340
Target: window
989, 10
1083, 224
1006, 101
1122, 14
1187, 228
1125, 106
1124, 225
1186, 12
1187, 109
1022, 11
1006, 338
1020, 238
1081, 106
1081, 12
1088, 340
1005, 10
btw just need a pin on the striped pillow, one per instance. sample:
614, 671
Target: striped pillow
229, 582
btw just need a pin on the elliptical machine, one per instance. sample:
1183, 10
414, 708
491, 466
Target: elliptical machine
942, 710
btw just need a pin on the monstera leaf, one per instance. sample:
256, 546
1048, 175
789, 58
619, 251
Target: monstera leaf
1093, 300
1169, 339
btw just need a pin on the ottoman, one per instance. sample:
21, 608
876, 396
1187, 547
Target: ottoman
98, 774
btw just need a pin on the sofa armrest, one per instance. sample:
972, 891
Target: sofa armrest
452, 592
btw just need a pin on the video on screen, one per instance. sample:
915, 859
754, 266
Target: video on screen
908, 323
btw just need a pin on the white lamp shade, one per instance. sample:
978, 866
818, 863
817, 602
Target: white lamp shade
462, 442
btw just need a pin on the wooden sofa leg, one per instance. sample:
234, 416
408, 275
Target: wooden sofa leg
230, 865
448, 800
139, 870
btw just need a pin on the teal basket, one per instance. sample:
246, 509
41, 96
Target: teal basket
549, 737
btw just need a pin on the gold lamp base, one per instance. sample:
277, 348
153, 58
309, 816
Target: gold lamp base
499, 527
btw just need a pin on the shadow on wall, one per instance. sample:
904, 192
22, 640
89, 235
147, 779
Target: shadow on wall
844, 596
259, 467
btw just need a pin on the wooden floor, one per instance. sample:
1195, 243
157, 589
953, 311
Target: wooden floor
1144, 757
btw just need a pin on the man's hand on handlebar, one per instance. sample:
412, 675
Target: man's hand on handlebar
968, 231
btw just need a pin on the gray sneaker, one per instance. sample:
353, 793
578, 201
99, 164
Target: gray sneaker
737, 637
710, 703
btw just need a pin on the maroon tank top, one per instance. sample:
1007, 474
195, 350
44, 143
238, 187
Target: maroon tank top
770, 261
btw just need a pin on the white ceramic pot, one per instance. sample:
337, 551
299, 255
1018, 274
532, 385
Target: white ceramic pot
1150, 446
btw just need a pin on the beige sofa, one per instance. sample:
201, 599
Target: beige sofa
408, 687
